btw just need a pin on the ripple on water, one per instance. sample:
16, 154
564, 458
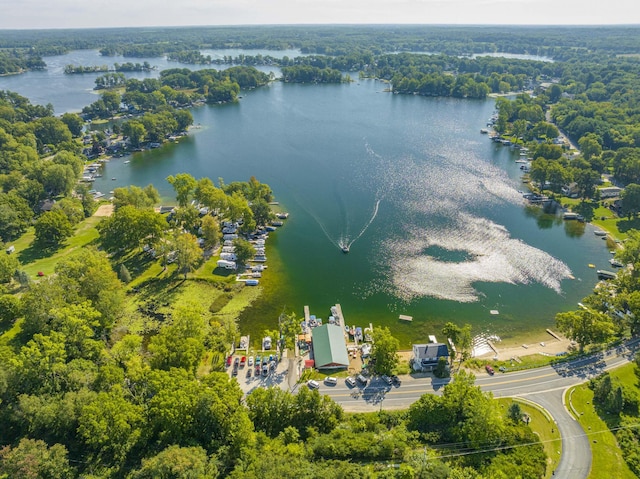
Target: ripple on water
448, 242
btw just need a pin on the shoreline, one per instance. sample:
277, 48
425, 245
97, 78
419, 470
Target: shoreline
537, 343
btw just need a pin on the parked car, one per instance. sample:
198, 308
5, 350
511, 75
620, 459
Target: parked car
330, 380
489, 369
265, 369
387, 379
229, 360
395, 380
361, 379
250, 361
351, 382
502, 369
243, 361
313, 384
249, 372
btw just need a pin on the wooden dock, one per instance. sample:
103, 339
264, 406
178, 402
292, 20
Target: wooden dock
554, 335
404, 317
306, 314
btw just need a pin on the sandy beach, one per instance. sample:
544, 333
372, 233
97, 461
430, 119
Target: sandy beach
547, 345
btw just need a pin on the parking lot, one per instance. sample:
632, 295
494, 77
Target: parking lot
275, 375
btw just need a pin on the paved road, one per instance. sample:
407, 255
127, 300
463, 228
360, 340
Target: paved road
544, 386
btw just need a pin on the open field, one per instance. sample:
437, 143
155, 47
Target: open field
607, 460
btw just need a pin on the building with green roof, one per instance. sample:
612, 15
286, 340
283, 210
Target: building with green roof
329, 347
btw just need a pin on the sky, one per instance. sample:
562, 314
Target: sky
24, 14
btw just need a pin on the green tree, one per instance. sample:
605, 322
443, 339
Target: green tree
184, 118
184, 185
10, 309
41, 364
123, 274
110, 426
586, 181
631, 200
9, 265
244, 251
177, 462
188, 253
289, 326
515, 412
590, 146
180, 344
58, 179
72, 209
135, 131
69, 158
262, 213
129, 228
473, 415
585, 326
52, 228
33, 459
210, 231
385, 351
87, 273
135, 196
208, 195
73, 122
51, 131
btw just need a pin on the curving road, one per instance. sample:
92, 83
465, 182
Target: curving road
544, 386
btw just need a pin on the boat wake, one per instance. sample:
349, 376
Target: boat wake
345, 243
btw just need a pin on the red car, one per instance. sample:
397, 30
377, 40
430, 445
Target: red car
489, 369
243, 361
229, 359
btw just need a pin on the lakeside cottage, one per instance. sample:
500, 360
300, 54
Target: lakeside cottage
425, 356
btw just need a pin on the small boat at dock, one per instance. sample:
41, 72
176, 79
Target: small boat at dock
604, 274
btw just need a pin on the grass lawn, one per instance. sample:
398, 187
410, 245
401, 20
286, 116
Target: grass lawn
542, 425
606, 455
34, 259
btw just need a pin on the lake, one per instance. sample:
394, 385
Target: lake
431, 209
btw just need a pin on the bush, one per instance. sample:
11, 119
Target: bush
220, 302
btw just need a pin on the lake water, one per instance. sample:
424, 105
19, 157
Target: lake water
430, 207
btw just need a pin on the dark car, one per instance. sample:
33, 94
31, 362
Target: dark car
489, 369
249, 372
395, 380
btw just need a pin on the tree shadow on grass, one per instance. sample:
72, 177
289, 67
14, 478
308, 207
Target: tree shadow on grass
37, 251
136, 263
628, 224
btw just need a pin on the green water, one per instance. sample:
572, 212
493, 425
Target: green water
429, 206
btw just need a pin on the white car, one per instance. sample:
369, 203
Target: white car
331, 380
313, 384
250, 361
350, 382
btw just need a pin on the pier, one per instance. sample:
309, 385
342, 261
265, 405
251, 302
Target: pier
404, 317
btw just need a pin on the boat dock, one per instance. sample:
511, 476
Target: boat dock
404, 317
306, 314
554, 335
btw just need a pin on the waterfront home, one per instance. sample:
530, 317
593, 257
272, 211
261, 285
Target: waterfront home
426, 356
